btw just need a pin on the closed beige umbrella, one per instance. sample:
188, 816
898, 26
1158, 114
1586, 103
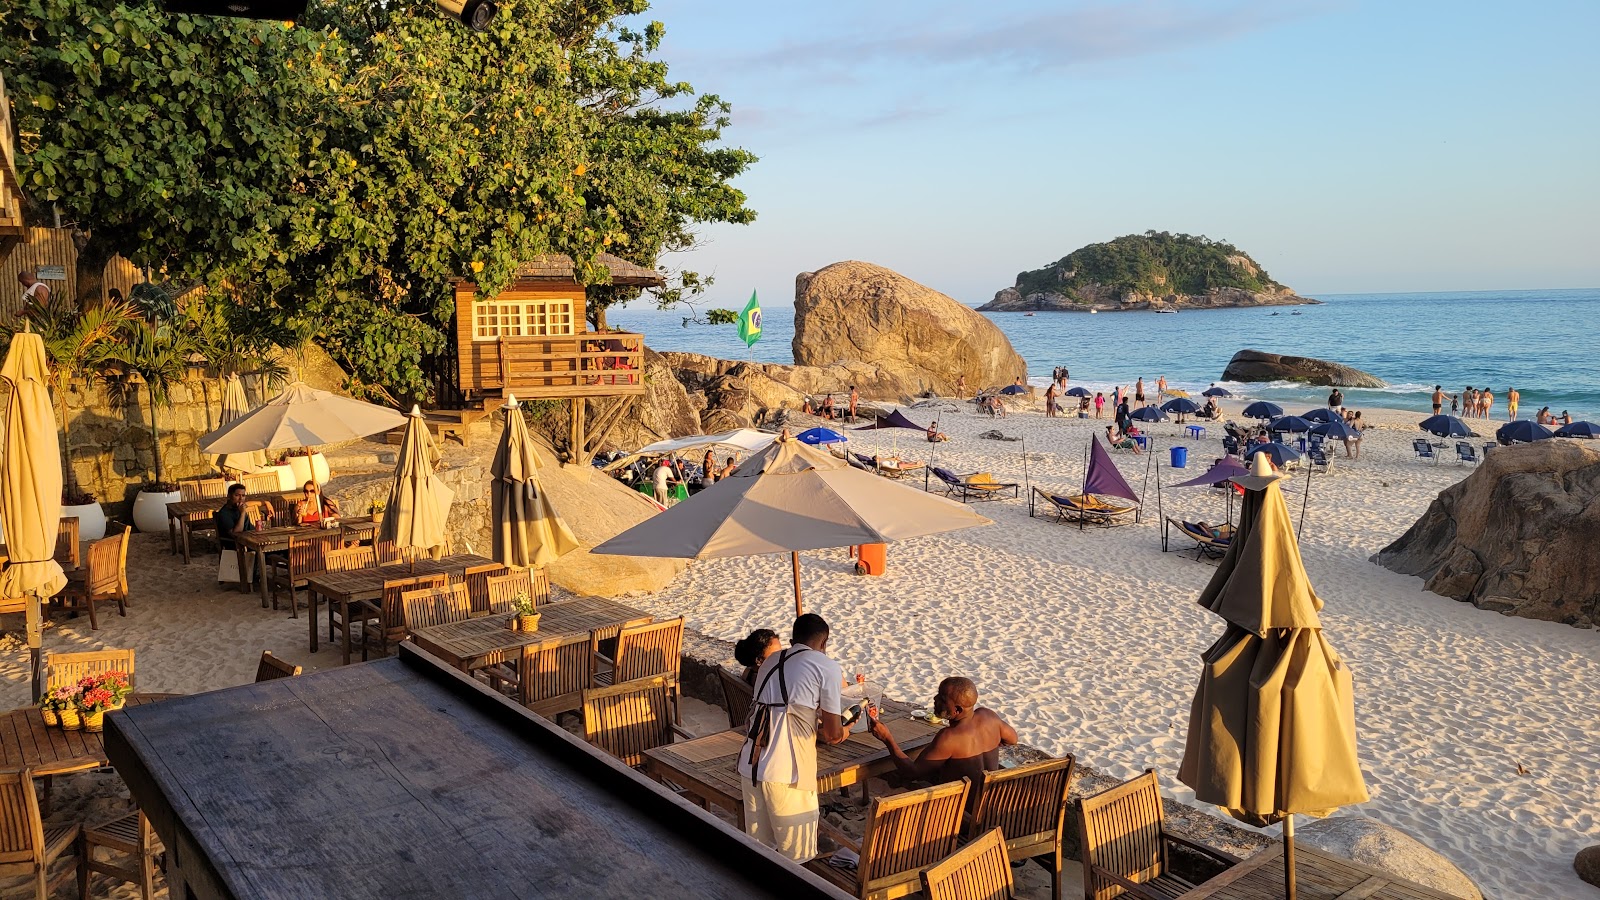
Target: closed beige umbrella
1272, 727
419, 502
787, 498
301, 416
30, 488
234, 407
526, 530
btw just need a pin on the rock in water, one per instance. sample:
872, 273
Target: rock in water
1254, 365
1388, 849
859, 311
1517, 536
1587, 864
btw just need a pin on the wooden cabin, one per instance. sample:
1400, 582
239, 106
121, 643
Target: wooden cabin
12, 229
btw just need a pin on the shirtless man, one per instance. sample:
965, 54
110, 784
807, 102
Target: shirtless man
968, 748
1512, 399
1161, 388
1138, 391
1438, 398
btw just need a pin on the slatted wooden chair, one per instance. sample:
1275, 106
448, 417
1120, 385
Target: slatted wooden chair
435, 606
979, 871
387, 613
306, 557
27, 848
343, 616
133, 847
388, 553
502, 588
476, 579
1125, 841
105, 578
67, 543
552, 675
199, 522
348, 559
62, 669
645, 650
627, 719
259, 483
740, 697
905, 834
1029, 805
272, 667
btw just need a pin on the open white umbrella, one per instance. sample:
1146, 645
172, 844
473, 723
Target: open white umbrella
419, 502
234, 407
788, 498
301, 416
526, 530
30, 488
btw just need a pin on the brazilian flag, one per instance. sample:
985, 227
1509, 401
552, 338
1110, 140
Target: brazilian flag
750, 321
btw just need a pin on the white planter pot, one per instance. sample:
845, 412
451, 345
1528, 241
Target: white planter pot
308, 468
286, 482
150, 510
91, 520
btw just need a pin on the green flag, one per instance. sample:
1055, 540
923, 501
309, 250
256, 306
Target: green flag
750, 321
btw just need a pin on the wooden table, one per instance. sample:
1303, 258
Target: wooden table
276, 540
404, 778
486, 641
1317, 875
178, 514
25, 741
357, 585
707, 768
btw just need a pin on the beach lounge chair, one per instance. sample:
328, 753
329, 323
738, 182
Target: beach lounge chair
1028, 804
1125, 843
1207, 544
975, 486
1466, 453
1319, 459
1086, 508
627, 719
904, 834
1423, 449
979, 871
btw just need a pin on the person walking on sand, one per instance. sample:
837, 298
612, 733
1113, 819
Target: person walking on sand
854, 396
1161, 388
1469, 402
966, 748
1138, 390
961, 386
1486, 403
1336, 399
1099, 403
1438, 398
1050, 401
1512, 399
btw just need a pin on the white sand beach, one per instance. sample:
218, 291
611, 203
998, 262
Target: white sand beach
1089, 641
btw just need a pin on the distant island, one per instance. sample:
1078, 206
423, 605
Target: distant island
1152, 271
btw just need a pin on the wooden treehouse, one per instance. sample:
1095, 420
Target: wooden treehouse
532, 340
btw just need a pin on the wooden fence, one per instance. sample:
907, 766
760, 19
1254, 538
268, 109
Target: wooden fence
49, 252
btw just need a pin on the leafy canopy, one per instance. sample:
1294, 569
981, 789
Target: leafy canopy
1155, 262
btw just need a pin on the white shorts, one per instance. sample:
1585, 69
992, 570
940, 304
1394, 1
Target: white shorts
781, 817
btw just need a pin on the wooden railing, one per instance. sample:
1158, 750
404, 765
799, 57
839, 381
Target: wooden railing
579, 365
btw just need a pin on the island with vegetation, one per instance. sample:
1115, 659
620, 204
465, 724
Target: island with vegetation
1153, 271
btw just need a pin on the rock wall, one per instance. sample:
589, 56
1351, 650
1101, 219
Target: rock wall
729, 394
1517, 536
1256, 365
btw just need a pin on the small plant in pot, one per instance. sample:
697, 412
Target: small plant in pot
75, 496
524, 614
93, 701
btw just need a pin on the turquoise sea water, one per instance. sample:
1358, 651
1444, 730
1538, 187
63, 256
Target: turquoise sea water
1543, 343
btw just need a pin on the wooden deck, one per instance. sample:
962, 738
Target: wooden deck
577, 365
1317, 875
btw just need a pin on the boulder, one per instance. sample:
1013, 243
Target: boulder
1516, 536
739, 394
665, 411
1388, 849
866, 313
1255, 365
1587, 864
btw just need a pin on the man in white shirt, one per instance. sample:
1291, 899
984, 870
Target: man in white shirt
663, 479
799, 691
34, 291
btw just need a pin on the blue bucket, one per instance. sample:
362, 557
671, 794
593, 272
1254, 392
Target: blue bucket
1180, 457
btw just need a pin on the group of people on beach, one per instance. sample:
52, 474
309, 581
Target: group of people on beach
829, 410
1474, 403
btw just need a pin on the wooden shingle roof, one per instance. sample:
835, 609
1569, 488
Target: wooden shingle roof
558, 267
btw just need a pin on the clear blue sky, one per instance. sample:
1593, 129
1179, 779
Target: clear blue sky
1348, 146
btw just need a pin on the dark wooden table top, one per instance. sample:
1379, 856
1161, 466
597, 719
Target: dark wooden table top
367, 584
26, 742
486, 641
1317, 875
402, 778
277, 537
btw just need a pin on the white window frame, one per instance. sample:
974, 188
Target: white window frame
524, 317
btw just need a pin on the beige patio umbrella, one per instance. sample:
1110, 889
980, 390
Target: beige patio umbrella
787, 498
234, 407
1272, 728
419, 502
30, 489
301, 416
526, 529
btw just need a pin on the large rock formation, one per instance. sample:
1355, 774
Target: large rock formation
856, 311
1517, 536
1100, 298
737, 394
1255, 365
665, 411
1388, 849
598, 508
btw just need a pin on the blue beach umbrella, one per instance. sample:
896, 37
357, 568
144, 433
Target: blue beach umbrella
1148, 414
1013, 389
1579, 430
1079, 392
819, 436
1214, 391
1522, 431
1280, 454
1181, 406
1322, 414
1290, 424
1261, 409
1448, 427
1336, 429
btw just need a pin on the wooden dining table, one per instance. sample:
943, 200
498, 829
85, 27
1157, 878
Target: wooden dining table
1318, 875
27, 743
486, 641
707, 768
358, 585
276, 540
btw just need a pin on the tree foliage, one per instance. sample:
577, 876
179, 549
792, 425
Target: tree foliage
1155, 262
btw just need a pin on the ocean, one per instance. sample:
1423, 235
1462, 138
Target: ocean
1542, 343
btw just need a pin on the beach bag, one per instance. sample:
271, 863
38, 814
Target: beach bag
228, 567
758, 727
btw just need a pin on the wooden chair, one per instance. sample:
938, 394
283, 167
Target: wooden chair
905, 834
106, 578
348, 559
388, 554
259, 483
307, 556
627, 719
1125, 843
979, 871
504, 587
272, 667
387, 612
133, 846
343, 616
476, 579
62, 669
740, 697
26, 846
552, 675
650, 650
1028, 805
67, 546
435, 606
199, 522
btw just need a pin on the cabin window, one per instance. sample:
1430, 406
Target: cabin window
495, 319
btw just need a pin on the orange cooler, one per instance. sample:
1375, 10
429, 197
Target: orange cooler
871, 559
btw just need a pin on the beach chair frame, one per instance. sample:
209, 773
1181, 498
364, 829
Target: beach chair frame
1206, 546
962, 487
1067, 510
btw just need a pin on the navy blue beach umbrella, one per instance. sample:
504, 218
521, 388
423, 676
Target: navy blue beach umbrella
1180, 405
1579, 430
1336, 429
1290, 424
1280, 454
1148, 414
1446, 427
1522, 431
819, 436
1261, 409
1013, 389
1079, 392
1322, 414
1215, 391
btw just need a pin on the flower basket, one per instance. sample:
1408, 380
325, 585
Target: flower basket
52, 717
70, 720
524, 623
94, 721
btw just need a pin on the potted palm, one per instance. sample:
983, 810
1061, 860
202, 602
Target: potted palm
160, 356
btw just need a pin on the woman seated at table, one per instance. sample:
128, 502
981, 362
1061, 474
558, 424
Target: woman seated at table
315, 507
754, 650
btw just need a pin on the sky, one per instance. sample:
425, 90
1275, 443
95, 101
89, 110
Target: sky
1347, 146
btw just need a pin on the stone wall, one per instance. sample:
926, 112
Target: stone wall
465, 474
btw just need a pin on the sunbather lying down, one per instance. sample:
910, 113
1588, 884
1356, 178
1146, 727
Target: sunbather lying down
1219, 533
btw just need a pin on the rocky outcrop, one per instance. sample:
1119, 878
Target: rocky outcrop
665, 411
859, 311
1517, 536
1587, 864
1255, 365
1388, 849
1099, 298
738, 394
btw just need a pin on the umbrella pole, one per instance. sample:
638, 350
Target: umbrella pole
1027, 482
794, 559
1084, 494
35, 634
1150, 453
933, 446
1288, 857
1305, 501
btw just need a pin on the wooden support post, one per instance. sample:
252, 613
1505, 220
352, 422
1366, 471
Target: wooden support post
575, 444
